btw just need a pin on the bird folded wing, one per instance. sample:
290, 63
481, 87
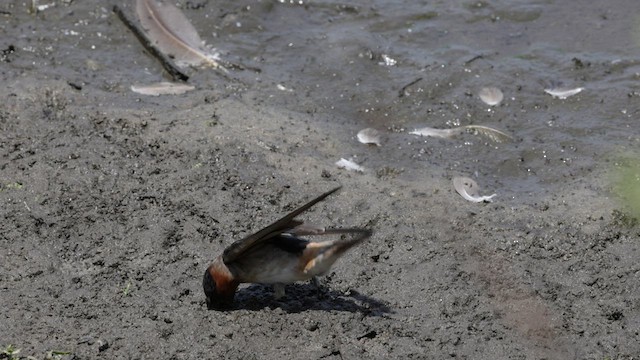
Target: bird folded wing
285, 223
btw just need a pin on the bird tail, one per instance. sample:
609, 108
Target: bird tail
320, 256
342, 245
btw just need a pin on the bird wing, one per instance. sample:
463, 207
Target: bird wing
287, 222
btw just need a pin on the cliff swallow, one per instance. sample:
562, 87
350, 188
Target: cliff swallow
276, 255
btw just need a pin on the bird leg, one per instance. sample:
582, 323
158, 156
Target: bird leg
278, 291
320, 289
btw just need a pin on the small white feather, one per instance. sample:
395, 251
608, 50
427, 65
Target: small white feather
349, 165
441, 133
493, 134
162, 88
468, 189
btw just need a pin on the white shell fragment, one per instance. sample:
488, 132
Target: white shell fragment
349, 165
162, 88
493, 134
563, 93
370, 136
468, 189
43, 7
491, 96
283, 88
387, 60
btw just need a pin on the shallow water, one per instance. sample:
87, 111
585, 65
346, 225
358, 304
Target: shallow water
330, 57
334, 61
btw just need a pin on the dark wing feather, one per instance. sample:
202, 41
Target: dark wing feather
285, 223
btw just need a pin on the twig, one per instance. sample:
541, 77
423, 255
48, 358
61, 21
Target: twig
168, 65
477, 57
403, 91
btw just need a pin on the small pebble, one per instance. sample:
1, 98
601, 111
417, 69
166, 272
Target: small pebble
102, 345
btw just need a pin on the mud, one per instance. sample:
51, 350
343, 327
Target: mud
114, 203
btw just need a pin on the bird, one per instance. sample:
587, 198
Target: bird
277, 255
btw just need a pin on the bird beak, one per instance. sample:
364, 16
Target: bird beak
220, 304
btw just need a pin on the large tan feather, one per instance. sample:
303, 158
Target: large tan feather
172, 33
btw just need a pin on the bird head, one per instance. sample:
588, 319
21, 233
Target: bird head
219, 286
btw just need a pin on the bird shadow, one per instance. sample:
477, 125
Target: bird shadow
303, 297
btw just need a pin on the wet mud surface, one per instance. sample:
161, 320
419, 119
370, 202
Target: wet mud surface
114, 203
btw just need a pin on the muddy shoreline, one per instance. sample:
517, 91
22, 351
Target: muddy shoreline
114, 203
